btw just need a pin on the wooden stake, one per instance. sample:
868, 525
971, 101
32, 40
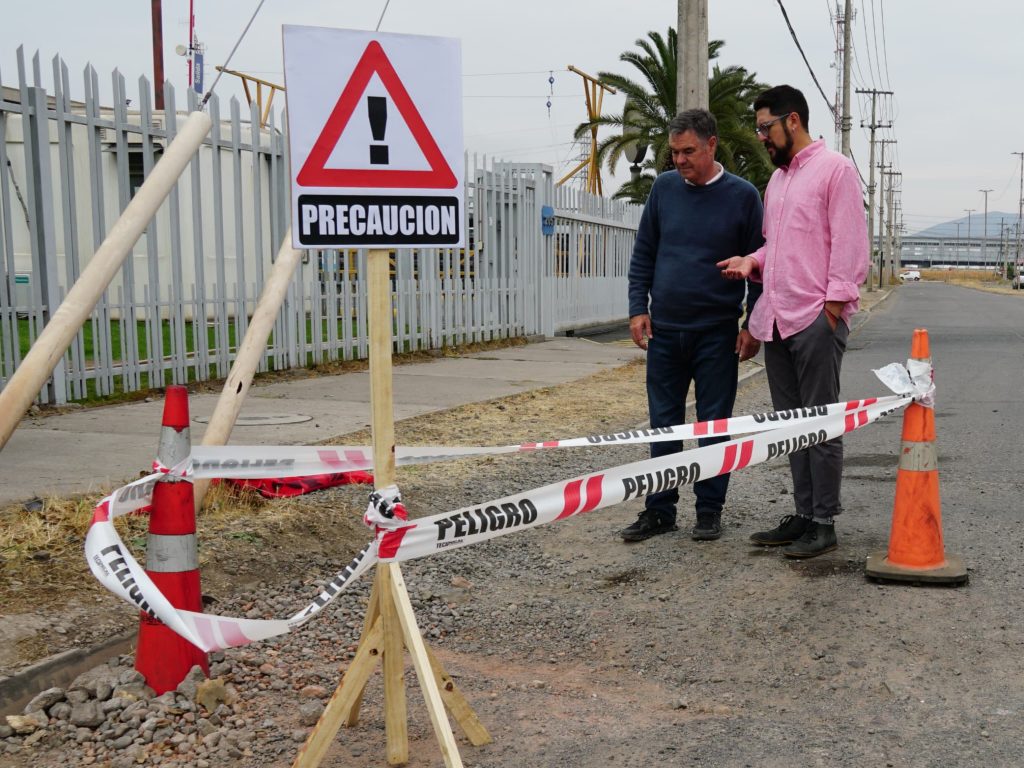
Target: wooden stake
457, 704
418, 652
372, 612
390, 622
352, 684
395, 711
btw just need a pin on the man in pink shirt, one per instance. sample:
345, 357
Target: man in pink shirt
813, 261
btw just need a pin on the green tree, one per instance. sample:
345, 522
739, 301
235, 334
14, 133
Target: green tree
651, 104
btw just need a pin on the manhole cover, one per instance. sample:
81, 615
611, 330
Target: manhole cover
263, 420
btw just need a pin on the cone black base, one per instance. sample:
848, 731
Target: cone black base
953, 571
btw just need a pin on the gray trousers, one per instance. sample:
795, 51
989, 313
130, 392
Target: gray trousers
803, 370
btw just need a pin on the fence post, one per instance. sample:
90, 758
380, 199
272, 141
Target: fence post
41, 227
53, 342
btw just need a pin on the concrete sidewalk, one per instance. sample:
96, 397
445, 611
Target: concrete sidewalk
91, 450
95, 449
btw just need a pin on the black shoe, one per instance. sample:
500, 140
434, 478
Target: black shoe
790, 528
708, 527
647, 524
818, 539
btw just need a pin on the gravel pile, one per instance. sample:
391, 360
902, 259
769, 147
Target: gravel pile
266, 697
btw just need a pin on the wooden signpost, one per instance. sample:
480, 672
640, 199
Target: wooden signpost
390, 624
375, 139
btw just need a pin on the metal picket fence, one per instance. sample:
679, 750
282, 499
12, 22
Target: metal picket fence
180, 306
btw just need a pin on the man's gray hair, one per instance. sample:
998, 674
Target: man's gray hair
700, 121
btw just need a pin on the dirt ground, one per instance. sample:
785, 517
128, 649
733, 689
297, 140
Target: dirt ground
576, 649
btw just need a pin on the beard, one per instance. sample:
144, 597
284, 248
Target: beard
781, 156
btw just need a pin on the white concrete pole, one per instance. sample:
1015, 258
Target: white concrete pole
692, 54
847, 121
250, 351
55, 338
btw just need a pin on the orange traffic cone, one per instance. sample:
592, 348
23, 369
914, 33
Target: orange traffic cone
172, 560
916, 551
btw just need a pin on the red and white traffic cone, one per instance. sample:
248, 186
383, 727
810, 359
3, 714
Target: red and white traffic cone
916, 550
172, 557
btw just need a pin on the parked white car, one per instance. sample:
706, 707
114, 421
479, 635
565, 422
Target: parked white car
1018, 281
911, 275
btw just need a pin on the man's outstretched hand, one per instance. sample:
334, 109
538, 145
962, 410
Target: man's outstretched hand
738, 267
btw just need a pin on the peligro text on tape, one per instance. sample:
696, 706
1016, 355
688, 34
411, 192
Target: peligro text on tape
399, 540
251, 462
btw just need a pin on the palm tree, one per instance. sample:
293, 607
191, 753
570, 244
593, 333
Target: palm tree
651, 105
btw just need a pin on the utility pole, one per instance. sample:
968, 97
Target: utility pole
890, 237
847, 50
1020, 206
156, 13
984, 238
871, 182
1003, 245
969, 212
692, 55
881, 211
956, 257
881, 221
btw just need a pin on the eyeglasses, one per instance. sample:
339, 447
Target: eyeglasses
761, 129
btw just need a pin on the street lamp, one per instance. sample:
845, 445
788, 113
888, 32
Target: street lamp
633, 150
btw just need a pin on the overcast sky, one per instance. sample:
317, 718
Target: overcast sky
957, 112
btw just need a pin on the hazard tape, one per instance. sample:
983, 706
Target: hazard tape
252, 462
772, 436
398, 539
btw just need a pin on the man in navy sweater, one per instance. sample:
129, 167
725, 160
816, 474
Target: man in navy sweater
682, 311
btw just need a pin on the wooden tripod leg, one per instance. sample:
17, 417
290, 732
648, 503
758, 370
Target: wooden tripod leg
457, 704
395, 710
372, 612
346, 694
418, 652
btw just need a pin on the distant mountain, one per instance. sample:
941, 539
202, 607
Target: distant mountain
948, 229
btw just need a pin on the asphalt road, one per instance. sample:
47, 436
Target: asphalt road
977, 346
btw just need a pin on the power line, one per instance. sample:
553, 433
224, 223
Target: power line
814, 77
516, 96
385, 10
527, 72
867, 46
874, 35
885, 45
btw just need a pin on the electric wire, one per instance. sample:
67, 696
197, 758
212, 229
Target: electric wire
878, 58
386, 4
867, 46
814, 77
227, 61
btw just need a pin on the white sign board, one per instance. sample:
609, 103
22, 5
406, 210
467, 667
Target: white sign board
375, 138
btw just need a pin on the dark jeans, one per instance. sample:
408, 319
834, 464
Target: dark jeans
674, 359
803, 370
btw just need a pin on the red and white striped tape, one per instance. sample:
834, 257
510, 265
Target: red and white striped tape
398, 539
208, 461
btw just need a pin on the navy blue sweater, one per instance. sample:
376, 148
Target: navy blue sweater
684, 231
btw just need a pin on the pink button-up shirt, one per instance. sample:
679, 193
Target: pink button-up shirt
816, 242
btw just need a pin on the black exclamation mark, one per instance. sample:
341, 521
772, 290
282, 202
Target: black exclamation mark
377, 106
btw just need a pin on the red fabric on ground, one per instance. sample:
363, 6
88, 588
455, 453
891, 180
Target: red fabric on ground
275, 488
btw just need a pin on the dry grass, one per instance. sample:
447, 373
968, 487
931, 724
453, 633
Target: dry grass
245, 538
983, 280
962, 275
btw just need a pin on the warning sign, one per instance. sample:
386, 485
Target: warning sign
375, 136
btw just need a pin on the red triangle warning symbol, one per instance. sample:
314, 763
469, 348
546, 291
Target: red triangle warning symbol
314, 172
